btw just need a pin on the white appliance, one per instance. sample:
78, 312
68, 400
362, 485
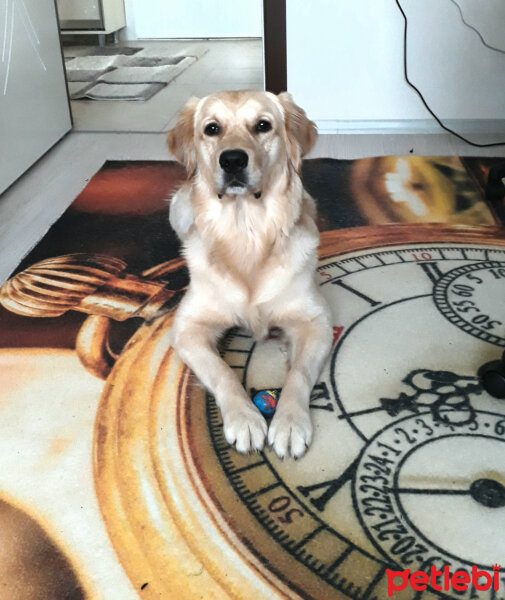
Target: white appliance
34, 107
91, 16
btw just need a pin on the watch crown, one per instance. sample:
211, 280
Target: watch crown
51, 287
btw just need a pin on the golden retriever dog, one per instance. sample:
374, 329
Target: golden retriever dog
250, 240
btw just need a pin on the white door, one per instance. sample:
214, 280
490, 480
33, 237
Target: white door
195, 18
34, 110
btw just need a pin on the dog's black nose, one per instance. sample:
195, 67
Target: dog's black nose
233, 161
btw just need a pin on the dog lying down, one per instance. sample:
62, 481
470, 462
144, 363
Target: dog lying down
250, 240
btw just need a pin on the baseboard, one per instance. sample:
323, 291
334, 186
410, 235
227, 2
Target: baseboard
413, 126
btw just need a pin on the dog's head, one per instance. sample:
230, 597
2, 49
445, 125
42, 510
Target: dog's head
237, 141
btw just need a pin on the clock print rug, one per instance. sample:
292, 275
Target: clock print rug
116, 481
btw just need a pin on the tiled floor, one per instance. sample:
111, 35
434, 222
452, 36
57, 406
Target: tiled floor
240, 66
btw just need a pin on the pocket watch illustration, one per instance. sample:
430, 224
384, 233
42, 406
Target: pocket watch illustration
407, 464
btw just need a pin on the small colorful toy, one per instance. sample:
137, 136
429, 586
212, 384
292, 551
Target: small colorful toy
266, 400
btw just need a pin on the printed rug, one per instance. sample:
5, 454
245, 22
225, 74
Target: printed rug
116, 481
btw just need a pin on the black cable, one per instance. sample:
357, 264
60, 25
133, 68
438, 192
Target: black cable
419, 93
470, 26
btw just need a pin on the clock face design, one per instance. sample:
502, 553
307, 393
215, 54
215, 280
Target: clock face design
407, 466
420, 520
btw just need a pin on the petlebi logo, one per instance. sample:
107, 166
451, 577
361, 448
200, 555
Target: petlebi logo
443, 580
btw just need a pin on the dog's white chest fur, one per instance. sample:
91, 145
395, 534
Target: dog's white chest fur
248, 264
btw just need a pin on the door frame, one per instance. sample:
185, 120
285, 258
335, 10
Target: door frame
274, 45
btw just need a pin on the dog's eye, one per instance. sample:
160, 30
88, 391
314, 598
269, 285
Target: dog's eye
262, 126
212, 129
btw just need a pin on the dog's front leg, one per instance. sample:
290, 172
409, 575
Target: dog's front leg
243, 425
290, 431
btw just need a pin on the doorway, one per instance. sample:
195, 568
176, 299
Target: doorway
138, 76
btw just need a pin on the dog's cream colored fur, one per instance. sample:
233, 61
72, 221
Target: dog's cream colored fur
251, 259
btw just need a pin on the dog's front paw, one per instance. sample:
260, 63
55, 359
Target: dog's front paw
245, 428
290, 431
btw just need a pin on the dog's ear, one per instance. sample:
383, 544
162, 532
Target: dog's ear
180, 139
301, 133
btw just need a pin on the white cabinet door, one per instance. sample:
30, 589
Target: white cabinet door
95, 16
80, 14
34, 109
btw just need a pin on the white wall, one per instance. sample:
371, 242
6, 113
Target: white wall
193, 18
345, 60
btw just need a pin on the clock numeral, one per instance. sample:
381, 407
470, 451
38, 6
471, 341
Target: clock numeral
320, 392
281, 504
329, 488
422, 256
397, 529
389, 448
364, 297
408, 438
473, 277
431, 269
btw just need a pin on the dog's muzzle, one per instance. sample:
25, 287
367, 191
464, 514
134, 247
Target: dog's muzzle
234, 171
233, 162
235, 177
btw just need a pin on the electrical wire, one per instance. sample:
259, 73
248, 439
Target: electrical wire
423, 100
470, 26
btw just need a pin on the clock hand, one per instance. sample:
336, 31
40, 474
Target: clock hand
393, 406
430, 491
488, 492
